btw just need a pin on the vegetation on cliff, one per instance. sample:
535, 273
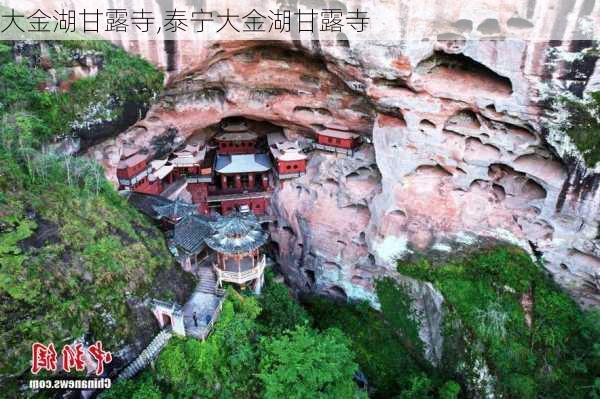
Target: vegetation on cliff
46, 85
583, 126
72, 252
488, 344
508, 330
503, 313
245, 358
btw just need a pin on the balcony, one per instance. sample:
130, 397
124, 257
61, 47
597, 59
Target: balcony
245, 274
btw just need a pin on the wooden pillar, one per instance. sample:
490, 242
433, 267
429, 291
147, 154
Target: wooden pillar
265, 180
223, 181
250, 180
238, 181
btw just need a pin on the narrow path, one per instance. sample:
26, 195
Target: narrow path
147, 356
206, 302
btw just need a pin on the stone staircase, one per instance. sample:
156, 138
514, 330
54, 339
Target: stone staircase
147, 356
208, 280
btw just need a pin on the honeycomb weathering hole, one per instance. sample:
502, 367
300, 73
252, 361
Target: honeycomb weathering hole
462, 76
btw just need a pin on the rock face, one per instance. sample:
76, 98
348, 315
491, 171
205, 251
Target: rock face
459, 153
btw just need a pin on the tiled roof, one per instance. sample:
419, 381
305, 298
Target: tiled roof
187, 159
338, 134
191, 232
162, 172
245, 163
236, 233
145, 203
231, 126
132, 161
175, 210
237, 136
284, 150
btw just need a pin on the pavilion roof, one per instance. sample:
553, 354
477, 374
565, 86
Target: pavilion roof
189, 156
236, 233
244, 163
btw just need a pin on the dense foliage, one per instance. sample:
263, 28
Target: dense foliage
73, 103
242, 358
387, 347
279, 313
484, 328
72, 252
486, 325
303, 363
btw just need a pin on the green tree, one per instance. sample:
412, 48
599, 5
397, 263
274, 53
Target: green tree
280, 311
449, 390
222, 366
420, 388
583, 126
305, 364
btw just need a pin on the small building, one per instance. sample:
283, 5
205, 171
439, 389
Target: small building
169, 315
160, 175
289, 159
338, 141
189, 161
189, 235
193, 165
133, 174
237, 239
236, 142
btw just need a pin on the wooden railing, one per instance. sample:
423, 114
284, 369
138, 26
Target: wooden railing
216, 197
240, 277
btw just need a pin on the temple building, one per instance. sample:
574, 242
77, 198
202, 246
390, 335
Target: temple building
133, 171
236, 143
232, 170
289, 159
189, 161
188, 244
237, 240
242, 179
338, 141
